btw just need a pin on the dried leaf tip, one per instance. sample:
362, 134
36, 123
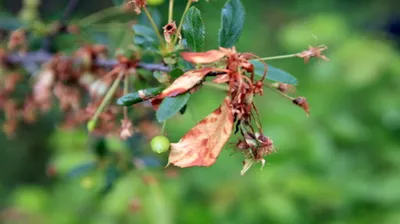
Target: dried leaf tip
313, 52
204, 142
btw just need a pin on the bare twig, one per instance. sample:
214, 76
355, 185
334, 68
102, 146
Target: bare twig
41, 57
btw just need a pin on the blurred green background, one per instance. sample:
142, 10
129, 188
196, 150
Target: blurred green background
340, 165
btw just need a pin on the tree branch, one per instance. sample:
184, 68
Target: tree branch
41, 57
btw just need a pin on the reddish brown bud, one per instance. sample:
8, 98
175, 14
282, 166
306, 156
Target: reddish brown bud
264, 140
302, 102
242, 145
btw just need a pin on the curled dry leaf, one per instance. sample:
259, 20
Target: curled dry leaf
224, 78
187, 81
201, 146
203, 57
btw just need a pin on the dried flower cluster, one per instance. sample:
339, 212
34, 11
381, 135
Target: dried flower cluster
85, 91
77, 85
238, 113
137, 5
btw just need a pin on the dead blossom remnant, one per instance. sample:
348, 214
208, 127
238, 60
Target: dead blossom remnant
137, 5
313, 52
78, 85
169, 31
238, 113
84, 91
197, 148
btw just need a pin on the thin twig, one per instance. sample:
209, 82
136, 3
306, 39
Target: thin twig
269, 86
41, 57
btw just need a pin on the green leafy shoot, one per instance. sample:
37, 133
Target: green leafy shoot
273, 73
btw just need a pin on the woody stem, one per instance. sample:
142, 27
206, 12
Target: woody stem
92, 123
269, 86
178, 31
278, 57
153, 24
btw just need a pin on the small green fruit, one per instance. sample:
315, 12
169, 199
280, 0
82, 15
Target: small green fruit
160, 144
91, 125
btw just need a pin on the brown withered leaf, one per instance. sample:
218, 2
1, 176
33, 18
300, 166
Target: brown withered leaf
203, 143
203, 57
224, 78
186, 82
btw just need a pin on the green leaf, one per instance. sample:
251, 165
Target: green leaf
170, 106
185, 65
7, 23
274, 74
133, 98
232, 21
193, 30
81, 169
118, 2
144, 36
176, 73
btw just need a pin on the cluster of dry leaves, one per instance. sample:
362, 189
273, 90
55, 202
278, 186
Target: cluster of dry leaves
82, 95
237, 113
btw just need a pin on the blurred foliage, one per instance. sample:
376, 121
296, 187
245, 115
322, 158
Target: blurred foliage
340, 165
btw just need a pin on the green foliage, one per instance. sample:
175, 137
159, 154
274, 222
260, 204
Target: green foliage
144, 36
118, 2
176, 73
340, 165
274, 74
193, 30
171, 106
232, 22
